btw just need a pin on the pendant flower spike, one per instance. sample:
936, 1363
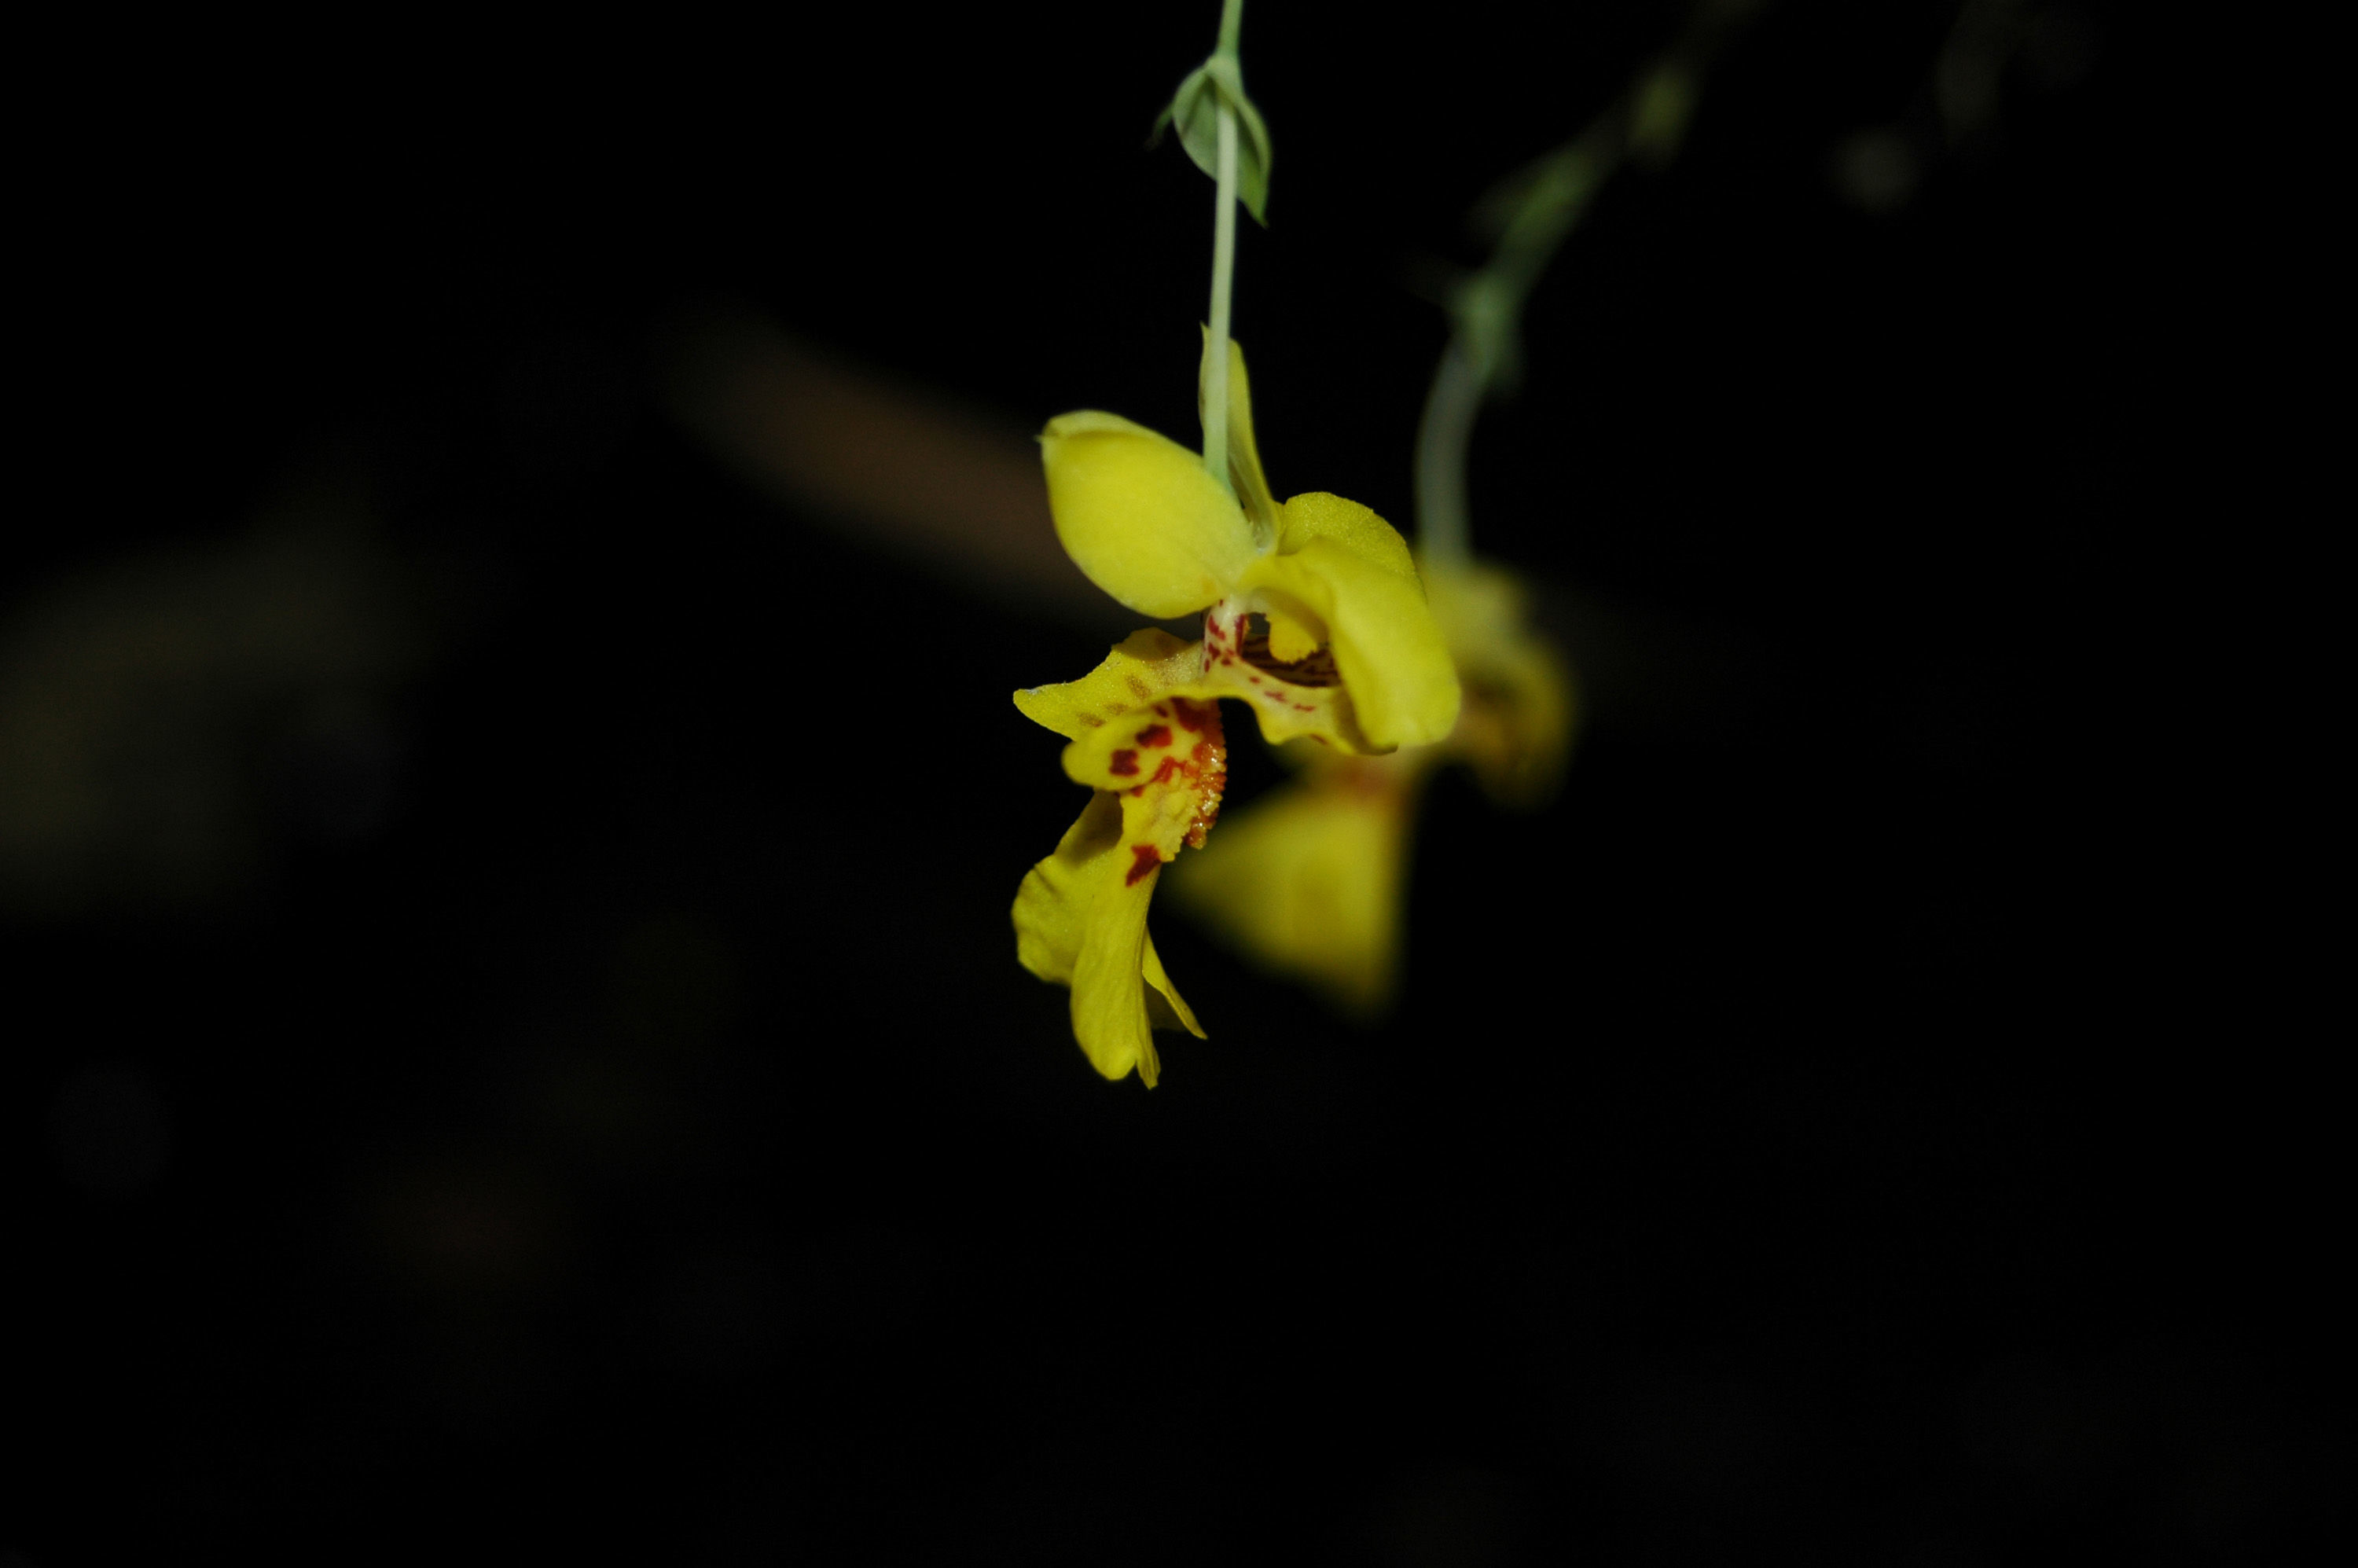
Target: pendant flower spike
1313, 614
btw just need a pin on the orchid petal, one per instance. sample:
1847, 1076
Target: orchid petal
1147, 739
1109, 1016
1172, 1012
1356, 528
1052, 907
1080, 921
1342, 586
1139, 668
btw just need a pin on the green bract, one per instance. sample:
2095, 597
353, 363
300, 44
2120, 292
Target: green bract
1196, 110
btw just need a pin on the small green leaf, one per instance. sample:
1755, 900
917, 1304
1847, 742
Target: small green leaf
1181, 104
1196, 110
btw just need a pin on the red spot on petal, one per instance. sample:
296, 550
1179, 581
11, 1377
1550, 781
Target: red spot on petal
1197, 715
1145, 860
1154, 735
1170, 766
1122, 763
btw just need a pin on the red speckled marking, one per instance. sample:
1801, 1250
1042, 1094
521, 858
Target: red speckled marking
1145, 861
1198, 716
1163, 774
1154, 735
1123, 764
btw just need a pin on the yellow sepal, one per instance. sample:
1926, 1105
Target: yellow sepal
1141, 516
1244, 451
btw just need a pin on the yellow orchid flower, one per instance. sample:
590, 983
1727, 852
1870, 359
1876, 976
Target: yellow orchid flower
1144, 519
1312, 880
1351, 659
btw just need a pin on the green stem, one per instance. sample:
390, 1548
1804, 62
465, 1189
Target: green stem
1442, 438
1224, 267
1550, 198
1232, 17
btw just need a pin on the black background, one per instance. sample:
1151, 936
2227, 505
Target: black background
595, 1107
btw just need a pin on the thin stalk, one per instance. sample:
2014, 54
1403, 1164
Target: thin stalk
1224, 267
1547, 200
1442, 438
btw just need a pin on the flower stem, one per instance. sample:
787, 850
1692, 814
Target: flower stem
1534, 214
1224, 267
1442, 438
